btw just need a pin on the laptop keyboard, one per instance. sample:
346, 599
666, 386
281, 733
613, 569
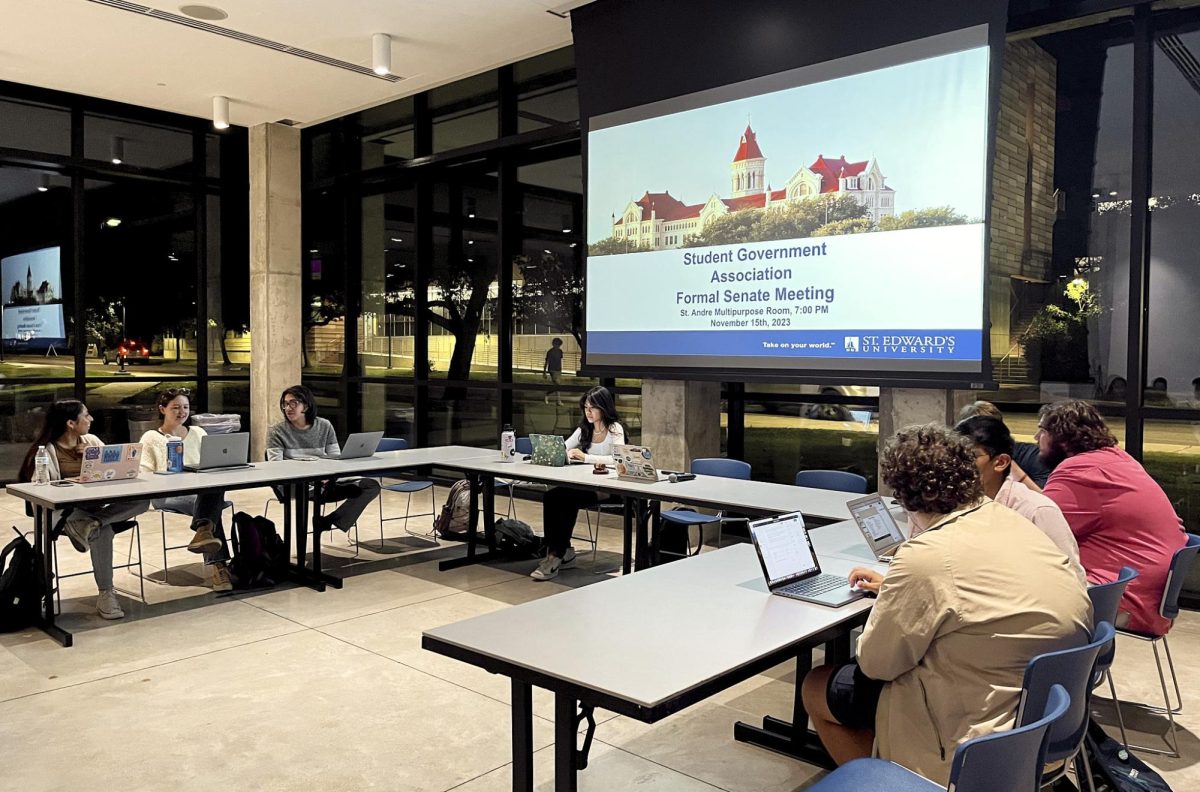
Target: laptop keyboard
811, 587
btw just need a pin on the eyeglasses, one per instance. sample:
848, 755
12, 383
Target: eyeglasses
290, 404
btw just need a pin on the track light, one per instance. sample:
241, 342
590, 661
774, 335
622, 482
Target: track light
381, 53
43, 182
118, 150
220, 112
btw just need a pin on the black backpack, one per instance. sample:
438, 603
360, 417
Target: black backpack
21, 586
1115, 768
259, 556
516, 539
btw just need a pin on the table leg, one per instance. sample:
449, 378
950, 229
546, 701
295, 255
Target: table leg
289, 497
522, 736
795, 738
642, 556
627, 545
565, 779
43, 526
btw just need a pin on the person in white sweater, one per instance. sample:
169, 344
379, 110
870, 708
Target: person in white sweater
89, 527
592, 441
205, 508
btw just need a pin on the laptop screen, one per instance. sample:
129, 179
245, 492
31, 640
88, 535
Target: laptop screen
784, 547
878, 525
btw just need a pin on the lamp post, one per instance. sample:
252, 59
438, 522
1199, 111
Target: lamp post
121, 343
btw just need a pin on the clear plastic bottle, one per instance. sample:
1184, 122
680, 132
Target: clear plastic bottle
41, 466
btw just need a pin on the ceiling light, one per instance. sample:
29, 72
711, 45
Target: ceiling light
381, 54
118, 150
313, 250
221, 112
112, 222
566, 224
470, 241
1113, 193
546, 251
43, 182
397, 239
208, 13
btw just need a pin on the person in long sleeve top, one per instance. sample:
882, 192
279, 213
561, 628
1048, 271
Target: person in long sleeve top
303, 433
205, 508
963, 609
88, 526
592, 442
1119, 514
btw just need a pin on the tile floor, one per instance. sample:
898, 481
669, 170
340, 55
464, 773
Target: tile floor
291, 689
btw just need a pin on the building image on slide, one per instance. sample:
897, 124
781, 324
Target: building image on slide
659, 221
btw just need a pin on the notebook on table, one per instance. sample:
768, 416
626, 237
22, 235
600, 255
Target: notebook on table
790, 564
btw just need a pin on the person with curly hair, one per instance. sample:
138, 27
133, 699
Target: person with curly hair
1118, 513
963, 609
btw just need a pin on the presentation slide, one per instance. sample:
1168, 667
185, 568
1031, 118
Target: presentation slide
829, 218
33, 313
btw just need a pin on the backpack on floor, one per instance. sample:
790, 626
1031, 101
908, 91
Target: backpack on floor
1115, 768
20, 585
259, 555
454, 519
516, 539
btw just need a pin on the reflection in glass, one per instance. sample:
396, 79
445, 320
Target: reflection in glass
1171, 456
322, 276
463, 416
385, 336
143, 145
35, 127
782, 438
389, 408
465, 112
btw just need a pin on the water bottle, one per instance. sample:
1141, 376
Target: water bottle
41, 473
175, 455
508, 444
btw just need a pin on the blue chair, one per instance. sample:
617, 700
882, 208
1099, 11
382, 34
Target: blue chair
1181, 564
1006, 761
1072, 669
405, 486
1106, 601
713, 466
839, 480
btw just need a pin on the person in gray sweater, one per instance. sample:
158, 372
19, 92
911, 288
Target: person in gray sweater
303, 433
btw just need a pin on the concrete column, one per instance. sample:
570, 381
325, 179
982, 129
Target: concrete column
681, 421
275, 273
901, 407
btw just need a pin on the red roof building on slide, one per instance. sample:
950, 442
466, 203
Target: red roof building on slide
749, 147
832, 170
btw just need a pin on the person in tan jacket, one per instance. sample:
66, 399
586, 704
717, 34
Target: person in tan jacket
963, 609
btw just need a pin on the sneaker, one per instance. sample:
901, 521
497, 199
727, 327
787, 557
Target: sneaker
79, 530
203, 541
107, 606
547, 569
220, 577
568, 559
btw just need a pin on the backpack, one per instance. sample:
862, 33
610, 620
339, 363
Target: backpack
454, 519
21, 586
259, 557
1115, 768
516, 539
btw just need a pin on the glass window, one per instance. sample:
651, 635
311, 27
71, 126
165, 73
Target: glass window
461, 415
140, 278
330, 404
386, 336
546, 411
387, 133
465, 112
784, 437
22, 416
143, 145
35, 127
389, 408
230, 397
36, 270
228, 295
1173, 361
322, 288
1172, 458
123, 415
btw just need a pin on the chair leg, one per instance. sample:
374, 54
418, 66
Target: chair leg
1087, 769
1174, 679
1173, 742
1117, 703
162, 519
137, 534
55, 582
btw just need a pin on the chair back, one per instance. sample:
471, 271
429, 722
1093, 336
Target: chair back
392, 444
524, 446
1106, 600
839, 480
1071, 668
1009, 761
1181, 564
719, 466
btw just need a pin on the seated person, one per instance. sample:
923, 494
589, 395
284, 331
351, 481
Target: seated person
993, 457
592, 441
1027, 463
1118, 513
89, 526
205, 508
943, 653
304, 433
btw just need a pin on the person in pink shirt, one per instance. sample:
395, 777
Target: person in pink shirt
1118, 513
993, 447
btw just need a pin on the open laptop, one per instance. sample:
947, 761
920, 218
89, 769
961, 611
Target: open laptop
790, 564
222, 452
549, 450
878, 526
120, 462
359, 445
635, 463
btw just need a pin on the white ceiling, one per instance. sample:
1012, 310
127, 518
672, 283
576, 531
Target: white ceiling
88, 48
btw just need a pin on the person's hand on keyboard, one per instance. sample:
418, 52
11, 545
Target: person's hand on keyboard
866, 580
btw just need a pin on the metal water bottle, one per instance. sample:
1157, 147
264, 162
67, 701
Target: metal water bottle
508, 444
175, 455
41, 466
